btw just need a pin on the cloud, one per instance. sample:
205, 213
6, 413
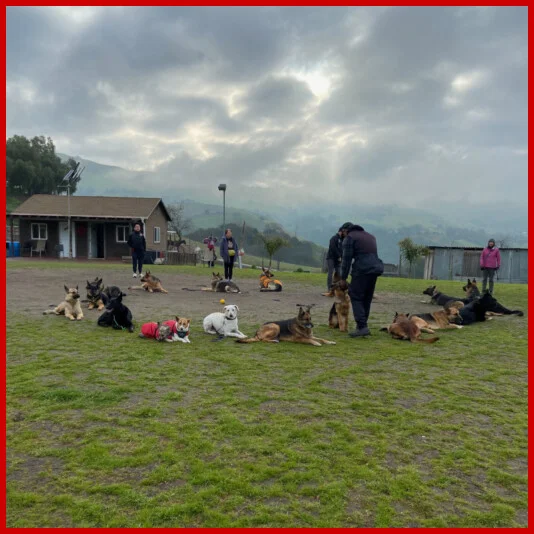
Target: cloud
381, 104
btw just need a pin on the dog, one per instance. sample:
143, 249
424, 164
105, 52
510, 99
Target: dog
406, 328
267, 283
496, 308
117, 315
219, 285
150, 283
70, 307
471, 289
436, 297
95, 294
157, 331
448, 318
339, 313
296, 330
223, 324
179, 329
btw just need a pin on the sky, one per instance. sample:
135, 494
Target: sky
413, 106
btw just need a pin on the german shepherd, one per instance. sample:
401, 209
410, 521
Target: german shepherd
117, 315
267, 283
95, 295
150, 283
471, 289
339, 313
70, 307
297, 330
405, 328
218, 285
436, 297
448, 318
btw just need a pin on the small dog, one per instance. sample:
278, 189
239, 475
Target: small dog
296, 330
95, 294
157, 331
404, 328
267, 283
150, 283
339, 313
448, 318
70, 307
117, 315
179, 329
224, 324
219, 285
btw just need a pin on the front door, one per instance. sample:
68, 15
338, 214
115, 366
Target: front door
64, 239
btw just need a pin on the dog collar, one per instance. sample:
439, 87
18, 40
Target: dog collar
183, 334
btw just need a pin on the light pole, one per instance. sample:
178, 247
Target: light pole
68, 208
222, 187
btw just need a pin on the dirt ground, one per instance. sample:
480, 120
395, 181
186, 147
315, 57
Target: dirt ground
31, 291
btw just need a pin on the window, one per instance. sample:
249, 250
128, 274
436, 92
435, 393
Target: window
156, 234
122, 233
39, 231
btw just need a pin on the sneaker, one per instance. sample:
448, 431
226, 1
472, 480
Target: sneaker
360, 332
134, 275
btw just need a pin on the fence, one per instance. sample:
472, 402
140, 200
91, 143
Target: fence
180, 258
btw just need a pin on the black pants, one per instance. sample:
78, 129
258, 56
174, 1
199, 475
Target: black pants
361, 290
137, 260
228, 268
488, 275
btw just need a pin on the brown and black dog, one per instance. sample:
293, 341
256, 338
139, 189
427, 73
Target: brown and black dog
95, 295
339, 313
296, 330
150, 283
471, 289
266, 281
448, 318
405, 328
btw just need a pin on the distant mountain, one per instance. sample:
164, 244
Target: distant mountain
438, 224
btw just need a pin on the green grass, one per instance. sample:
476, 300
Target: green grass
107, 430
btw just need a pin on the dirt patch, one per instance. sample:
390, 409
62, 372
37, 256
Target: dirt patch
33, 290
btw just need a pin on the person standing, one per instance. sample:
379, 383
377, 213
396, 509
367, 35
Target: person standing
137, 243
360, 252
333, 259
228, 251
490, 261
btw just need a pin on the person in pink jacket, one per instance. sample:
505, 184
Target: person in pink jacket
490, 261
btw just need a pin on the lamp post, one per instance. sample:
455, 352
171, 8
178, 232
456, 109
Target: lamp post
222, 187
67, 187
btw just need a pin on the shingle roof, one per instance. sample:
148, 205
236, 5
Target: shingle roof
98, 207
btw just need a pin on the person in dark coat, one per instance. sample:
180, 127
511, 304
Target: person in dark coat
333, 258
360, 253
137, 243
229, 251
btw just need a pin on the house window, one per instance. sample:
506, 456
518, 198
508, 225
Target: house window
157, 233
39, 231
122, 233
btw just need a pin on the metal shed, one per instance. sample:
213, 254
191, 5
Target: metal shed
459, 263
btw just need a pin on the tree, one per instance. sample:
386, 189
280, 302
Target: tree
33, 167
411, 252
180, 223
272, 245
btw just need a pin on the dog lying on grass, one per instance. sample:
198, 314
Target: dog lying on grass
150, 283
70, 307
406, 328
117, 315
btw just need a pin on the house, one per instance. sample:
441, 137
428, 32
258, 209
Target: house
99, 226
459, 263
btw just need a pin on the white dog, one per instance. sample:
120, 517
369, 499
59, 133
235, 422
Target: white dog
224, 324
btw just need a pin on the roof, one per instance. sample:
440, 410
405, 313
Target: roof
95, 207
432, 247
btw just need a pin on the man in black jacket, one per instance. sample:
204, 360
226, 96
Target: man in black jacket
333, 259
360, 252
137, 243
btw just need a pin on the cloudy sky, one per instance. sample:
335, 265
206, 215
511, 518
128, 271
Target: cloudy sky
411, 106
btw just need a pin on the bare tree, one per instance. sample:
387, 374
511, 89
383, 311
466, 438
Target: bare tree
179, 223
505, 241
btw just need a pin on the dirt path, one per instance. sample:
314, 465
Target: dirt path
32, 290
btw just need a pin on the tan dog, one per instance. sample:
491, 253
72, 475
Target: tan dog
405, 328
297, 330
70, 307
339, 313
150, 283
442, 319
267, 282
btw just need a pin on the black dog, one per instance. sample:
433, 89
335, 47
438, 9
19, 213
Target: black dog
476, 310
117, 315
497, 307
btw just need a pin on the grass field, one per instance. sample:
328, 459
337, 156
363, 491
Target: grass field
107, 430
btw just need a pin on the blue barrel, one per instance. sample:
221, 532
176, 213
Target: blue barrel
16, 249
9, 252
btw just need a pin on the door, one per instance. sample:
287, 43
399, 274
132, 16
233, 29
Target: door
64, 239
